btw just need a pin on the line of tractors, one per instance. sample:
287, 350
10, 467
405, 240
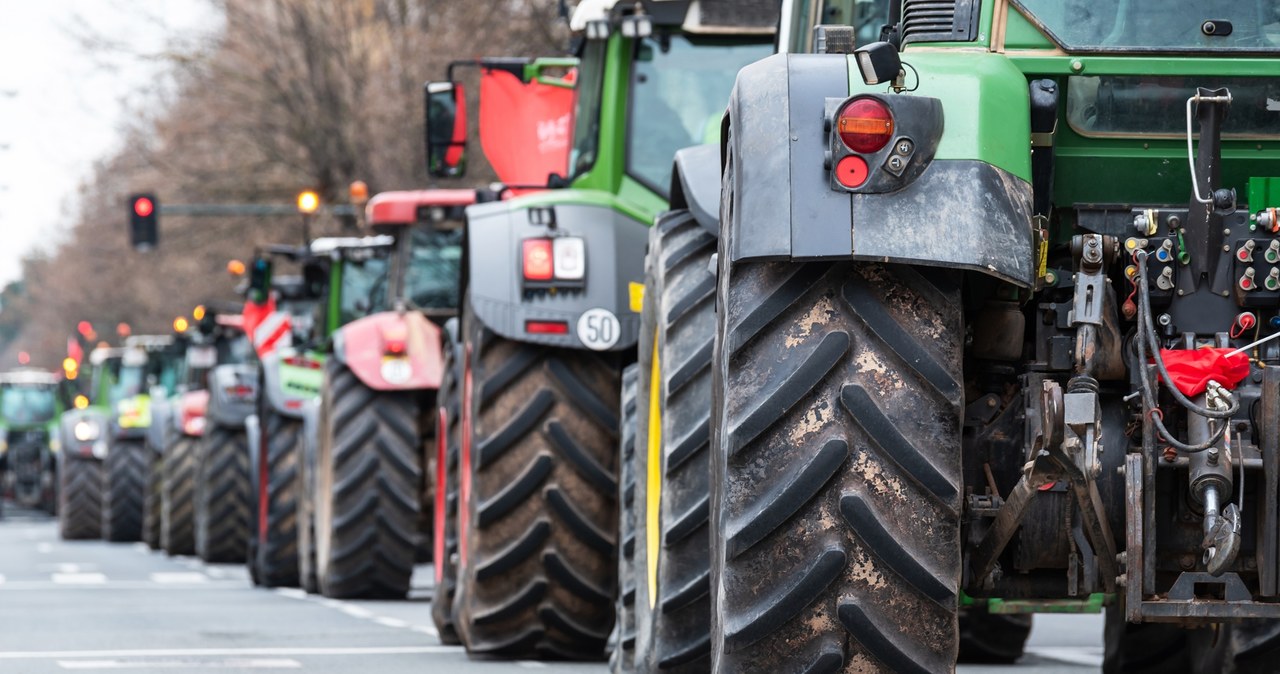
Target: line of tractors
839, 380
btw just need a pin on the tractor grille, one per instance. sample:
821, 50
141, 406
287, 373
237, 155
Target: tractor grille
939, 20
749, 14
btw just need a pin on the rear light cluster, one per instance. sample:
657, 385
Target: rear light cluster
302, 361
550, 261
865, 126
240, 391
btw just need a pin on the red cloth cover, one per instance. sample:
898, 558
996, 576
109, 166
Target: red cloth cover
524, 128
1191, 370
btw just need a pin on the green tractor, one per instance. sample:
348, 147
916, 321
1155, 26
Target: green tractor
990, 321
30, 405
551, 307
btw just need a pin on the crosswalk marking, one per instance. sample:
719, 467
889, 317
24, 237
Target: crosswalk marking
79, 578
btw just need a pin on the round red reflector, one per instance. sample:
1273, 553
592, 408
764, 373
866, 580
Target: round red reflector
143, 207
852, 171
865, 125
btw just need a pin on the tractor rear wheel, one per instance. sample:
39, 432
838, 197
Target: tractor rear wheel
445, 532
123, 491
222, 496
276, 533
622, 659
177, 497
368, 489
151, 500
673, 559
836, 481
80, 494
539, 489
306, 523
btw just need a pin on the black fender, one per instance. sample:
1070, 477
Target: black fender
225, 408
781, 205
615, 245
695, 185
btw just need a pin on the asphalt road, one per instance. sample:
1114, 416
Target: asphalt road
92, 606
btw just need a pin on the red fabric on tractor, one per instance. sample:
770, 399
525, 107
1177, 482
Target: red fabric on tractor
524, 128
253, 314
1191, 369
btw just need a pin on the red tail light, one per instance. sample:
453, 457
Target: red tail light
395, 340
546, 327
865, 125
538, 261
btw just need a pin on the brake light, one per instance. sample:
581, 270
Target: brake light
852, 171
865, 125
538, 260
300, 361
394, 340
546, 327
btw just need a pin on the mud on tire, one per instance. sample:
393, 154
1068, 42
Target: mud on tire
836, 481
80, 498
673, 449
222, 496
276, 549
368, 488
124, 484
537, 549
177, 497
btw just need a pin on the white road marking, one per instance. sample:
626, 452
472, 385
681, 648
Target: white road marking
44, 548
1091, 657
178, 577
227, 652
46, 586
356, 611
291, 592
68, 568
1, 579
141, 547
216, 572
391, 622
531, 664
79, 578
425, 629
170, 665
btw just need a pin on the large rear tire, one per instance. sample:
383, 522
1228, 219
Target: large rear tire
623, 658
177, 497
123, 491
445, 532
368, 489
151, 501
80, 494
222, 496
536, 559
673, 559
836, 478
276, 549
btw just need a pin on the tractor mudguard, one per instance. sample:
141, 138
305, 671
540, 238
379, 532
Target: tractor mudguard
959, 211
695, 185
367, 346
286, 388
614, 244
233, 390
95, 446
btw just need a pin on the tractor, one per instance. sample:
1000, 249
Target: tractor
214, 337
161, 377
551, 314
290, 326
990, 330
30, 405
367, 502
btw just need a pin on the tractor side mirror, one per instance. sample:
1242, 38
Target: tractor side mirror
260, 280
446, 129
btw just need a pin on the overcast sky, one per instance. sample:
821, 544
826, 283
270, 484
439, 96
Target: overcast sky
67, 105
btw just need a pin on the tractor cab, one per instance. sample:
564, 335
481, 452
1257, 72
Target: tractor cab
29, 410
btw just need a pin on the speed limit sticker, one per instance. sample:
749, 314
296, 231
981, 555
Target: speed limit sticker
599, 329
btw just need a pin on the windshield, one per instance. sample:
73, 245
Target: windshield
26, 405
586, 124
680, 87
128, 382
364, 288
434, 268
1159, 25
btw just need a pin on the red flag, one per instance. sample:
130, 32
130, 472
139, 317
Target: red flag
525, 128
1191, 369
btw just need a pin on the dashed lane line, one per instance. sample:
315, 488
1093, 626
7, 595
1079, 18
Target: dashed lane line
179, 578
76, 578
358, 612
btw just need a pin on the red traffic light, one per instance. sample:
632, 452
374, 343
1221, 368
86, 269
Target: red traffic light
143, 207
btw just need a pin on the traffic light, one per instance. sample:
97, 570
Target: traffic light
144, 223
